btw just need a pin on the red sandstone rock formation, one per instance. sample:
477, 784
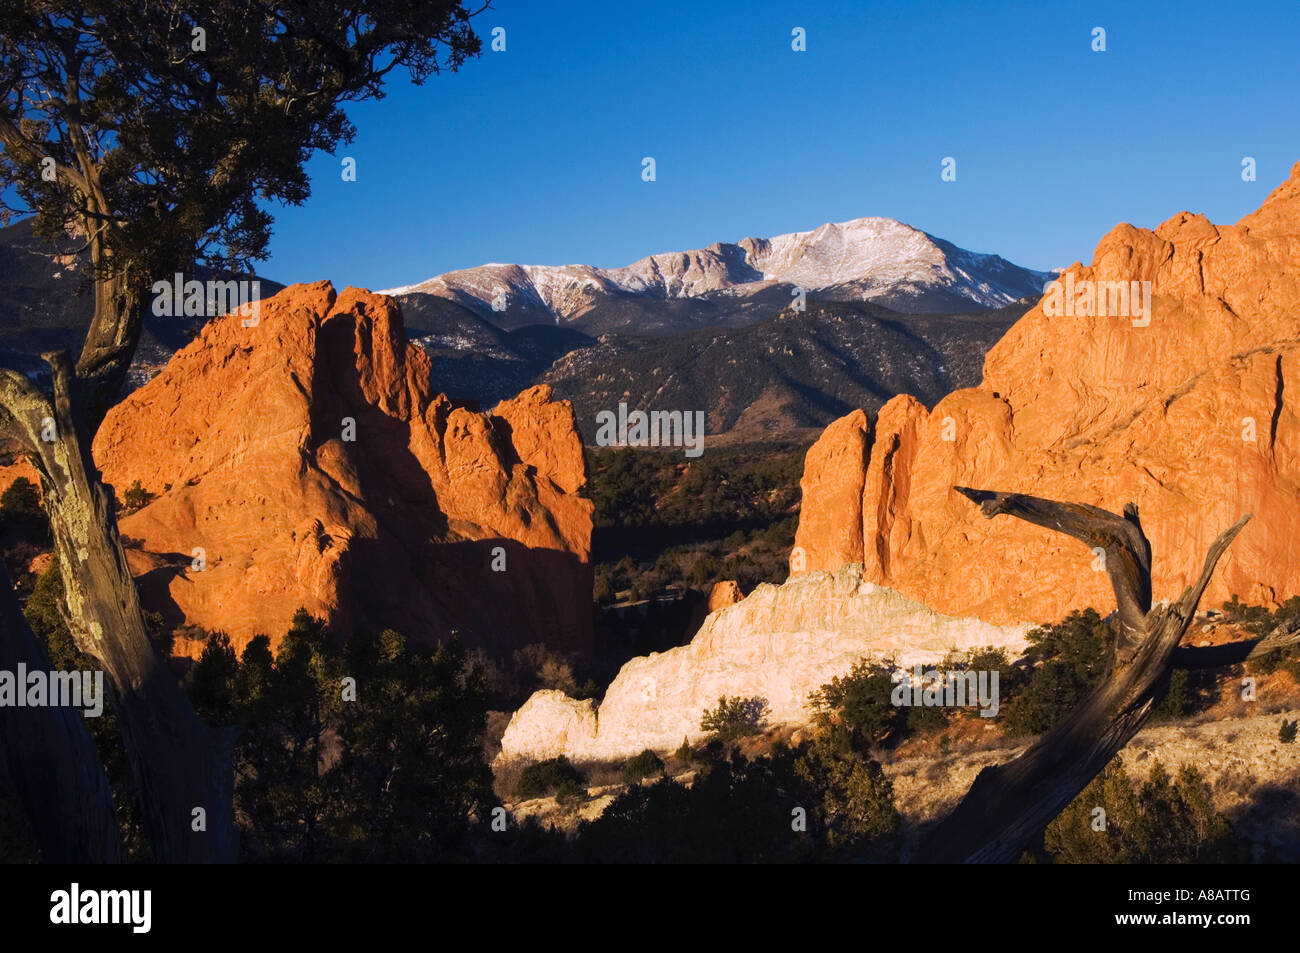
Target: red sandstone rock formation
309, 462
1195, 416
18, 470
723, 594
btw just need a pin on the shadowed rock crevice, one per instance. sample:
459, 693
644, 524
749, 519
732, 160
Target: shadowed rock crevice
416, 514
1096, 409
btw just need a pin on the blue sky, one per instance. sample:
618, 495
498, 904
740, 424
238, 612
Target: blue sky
534, 155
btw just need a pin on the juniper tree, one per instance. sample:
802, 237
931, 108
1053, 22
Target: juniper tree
158, 133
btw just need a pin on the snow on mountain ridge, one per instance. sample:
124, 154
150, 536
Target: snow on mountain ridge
845, 251
874, 256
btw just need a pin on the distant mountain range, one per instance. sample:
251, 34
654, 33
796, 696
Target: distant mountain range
877, 260
46, 304
796, 370
886, 309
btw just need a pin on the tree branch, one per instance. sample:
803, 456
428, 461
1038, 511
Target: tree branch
1008, 805
1120, 538
17, 142
1192, 597
26, 407
1217, 656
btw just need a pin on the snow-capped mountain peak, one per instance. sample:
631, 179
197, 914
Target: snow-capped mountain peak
868, 259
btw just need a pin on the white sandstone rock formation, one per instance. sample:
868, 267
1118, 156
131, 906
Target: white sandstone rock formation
780, 643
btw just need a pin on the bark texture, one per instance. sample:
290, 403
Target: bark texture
179, 764
1008, 805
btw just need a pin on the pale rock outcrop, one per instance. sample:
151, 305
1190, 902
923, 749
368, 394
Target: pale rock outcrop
548, 725
780, 643
1195, 416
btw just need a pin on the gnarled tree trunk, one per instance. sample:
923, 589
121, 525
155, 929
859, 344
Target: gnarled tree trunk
51, 759
1008, 805
179, 764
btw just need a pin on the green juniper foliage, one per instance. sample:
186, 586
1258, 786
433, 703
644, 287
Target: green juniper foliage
645, 765
555, 776
157, 135
182, 137
135, 498
796, 804
735, 718
395, 775
21, 515
1261, 621
1067, 659
1163, 820
855, 708
44, 613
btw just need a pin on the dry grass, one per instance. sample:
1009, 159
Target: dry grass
961, 735
1235, 780
505, 778
599, 774
1275, 692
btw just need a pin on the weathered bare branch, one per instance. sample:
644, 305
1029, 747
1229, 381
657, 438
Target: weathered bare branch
1008, 805
1233, 653
178, 762
23, 413
1127, 551
1189, 600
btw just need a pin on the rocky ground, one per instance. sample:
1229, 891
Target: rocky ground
1254, 777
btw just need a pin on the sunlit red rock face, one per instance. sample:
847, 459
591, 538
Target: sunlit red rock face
16, 471
243, 438
723, 594
1193, 416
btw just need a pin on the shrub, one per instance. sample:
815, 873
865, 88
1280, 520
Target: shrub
684, 755
602, 590
856, 810
645, 765
21, 497
858, 711
558, 675
1261, 621
537, 666
1257, 619
1069, 659
711, 752
735, 718
1161, 821
1286, 734
1176, 700
555, 776
704, 570
856, 708
135, 498
743, 811
21, 513
569, 790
